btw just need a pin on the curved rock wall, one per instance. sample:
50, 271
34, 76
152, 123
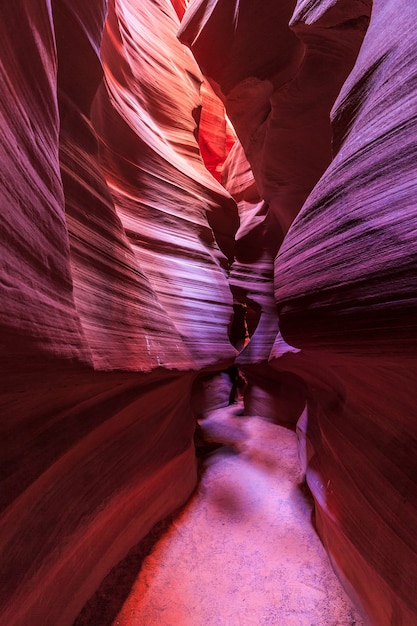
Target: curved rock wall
278, 77
251, 279
37, 303
347, 297
113, 291
116, 249
345, 273
165, 197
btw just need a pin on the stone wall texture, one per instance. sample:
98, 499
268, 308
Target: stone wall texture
164, 166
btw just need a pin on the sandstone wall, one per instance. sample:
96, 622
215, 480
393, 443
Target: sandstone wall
113, 291
117, 247
328, 128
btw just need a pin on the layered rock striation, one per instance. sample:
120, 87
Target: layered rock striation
363, 338
114, 291
328, 128
133, 221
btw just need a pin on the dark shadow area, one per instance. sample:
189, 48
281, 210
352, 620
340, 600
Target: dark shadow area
104, 606
246, 316
308, 498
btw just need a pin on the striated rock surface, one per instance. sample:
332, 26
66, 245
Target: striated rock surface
113, 292
251, 281
346, 288
117, 242
150, 158
278, 77
123, 322
37, 308
345, 273
90, 461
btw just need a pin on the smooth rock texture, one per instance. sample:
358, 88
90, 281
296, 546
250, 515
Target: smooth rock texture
37, 307
216, 136
105, 317
122, 319
278, 77
276, 396
90, 461
134, 226
345, 274
143, 114
359, 341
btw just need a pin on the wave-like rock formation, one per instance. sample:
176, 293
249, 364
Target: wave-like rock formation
346, 288
148, 144
114, 291
133, 223
251, 280
345, 273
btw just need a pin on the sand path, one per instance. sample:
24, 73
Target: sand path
243, 552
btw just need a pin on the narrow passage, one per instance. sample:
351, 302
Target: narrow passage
243, 552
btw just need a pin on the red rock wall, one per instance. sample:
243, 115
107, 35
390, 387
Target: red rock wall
355, 318
113, 291
143, 113
116, 244
37, 303
345, 272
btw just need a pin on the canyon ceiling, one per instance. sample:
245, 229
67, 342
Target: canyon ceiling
177, 176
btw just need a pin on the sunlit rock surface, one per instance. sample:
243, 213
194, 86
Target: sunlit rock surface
122, 320
117, 239
278, 76
143, 113
345, 276
113, 292
216, 135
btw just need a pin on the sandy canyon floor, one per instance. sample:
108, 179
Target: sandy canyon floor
243, 552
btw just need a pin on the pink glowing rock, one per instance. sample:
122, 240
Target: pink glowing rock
345, 284
116, 251
37, 306
168, 202
123, 322
91, 461
105, 316
345, 273
251, 281
216, 135
179, 6
278, 78
251, 276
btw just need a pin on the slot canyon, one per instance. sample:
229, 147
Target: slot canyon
206, 204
